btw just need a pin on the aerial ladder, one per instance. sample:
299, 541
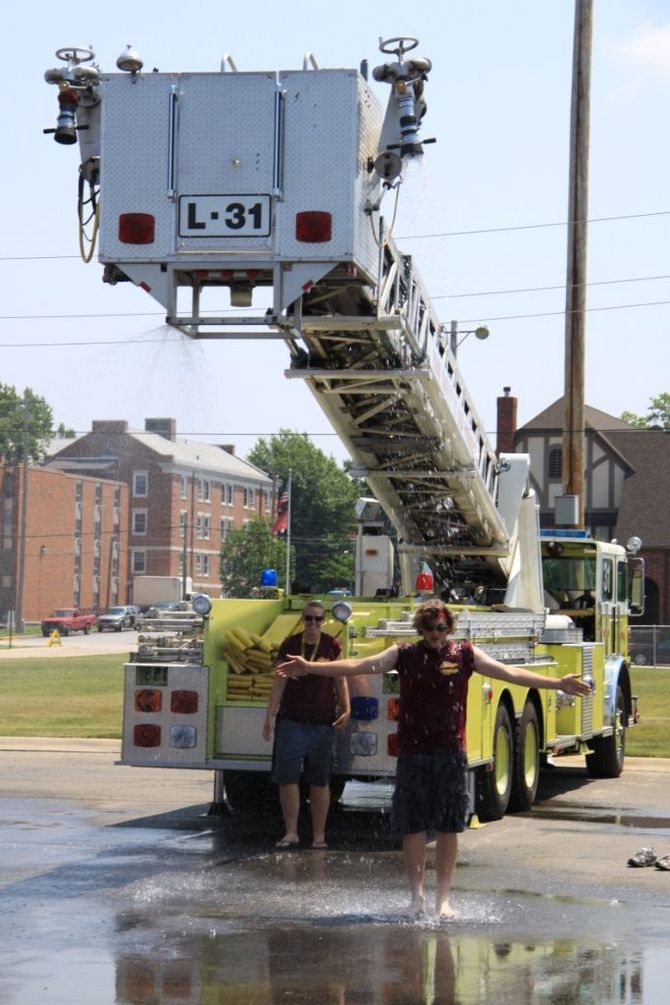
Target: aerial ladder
288, 197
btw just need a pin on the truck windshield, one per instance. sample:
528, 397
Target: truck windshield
568, 578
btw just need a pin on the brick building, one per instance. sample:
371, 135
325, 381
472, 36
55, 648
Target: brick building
626, 482
76, 542
183, 496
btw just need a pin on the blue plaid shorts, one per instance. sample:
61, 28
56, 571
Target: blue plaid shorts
431, 793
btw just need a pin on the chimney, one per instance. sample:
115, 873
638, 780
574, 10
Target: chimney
164, 427
506, 424
109, 426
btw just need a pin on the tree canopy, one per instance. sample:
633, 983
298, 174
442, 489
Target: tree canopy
323, 517
23, 416
246, 551
658, 413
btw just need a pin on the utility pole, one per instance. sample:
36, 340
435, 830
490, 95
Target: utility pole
21, 565
574, 421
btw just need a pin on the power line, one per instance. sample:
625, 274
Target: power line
531, 226
414, 237
134, 342
544, 289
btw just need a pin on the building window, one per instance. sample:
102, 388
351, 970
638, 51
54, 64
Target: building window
249, 498
227, 523
139, 521
267, 501
139, 562
206, 490
202, 565
203, 526
182, 524
141, 484
227, 495
184, 487
555, 464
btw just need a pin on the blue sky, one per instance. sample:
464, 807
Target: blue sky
484, 216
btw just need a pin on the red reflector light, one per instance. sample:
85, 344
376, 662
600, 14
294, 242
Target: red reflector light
313, 227
392, 744
185, 702
147, 735
393, 709
148, 700
136, 228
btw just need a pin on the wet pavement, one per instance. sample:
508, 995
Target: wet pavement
118, 887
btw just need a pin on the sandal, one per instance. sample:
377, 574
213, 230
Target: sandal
643, 857
663, 863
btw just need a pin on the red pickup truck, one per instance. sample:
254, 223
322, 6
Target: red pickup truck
67, 620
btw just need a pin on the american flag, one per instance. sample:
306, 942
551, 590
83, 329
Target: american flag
280, 526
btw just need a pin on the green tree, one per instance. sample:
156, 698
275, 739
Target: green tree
20, 414
323, 516
658, 413
245, 552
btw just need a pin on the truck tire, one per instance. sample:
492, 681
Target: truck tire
526, 771
495, 785
65, 630
251, 792
609, 752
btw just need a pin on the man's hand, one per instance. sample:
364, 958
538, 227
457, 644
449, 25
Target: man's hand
573, 684
295, 666
342, 720
267, 730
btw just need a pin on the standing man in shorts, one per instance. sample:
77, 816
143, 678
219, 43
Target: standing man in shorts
307, 710
431, 777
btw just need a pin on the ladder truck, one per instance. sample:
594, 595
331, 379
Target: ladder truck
272, 185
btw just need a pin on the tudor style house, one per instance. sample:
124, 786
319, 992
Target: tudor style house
626, 480
183, 496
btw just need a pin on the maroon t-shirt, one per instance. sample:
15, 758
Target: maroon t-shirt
433, 696
310, 698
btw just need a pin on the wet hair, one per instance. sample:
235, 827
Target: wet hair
432, 611
313, 603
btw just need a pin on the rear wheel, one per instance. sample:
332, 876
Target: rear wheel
609, 752
526, 772
495, 785
251, 792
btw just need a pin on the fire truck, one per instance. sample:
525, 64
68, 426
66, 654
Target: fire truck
274, 186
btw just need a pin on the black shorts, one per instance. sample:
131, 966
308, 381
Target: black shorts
431, 793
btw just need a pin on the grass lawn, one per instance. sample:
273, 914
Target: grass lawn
83, 696
651, 737
76, 696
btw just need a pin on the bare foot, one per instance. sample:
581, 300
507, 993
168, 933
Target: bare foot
444, 912
416, 909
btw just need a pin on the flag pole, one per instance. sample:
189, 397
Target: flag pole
288, 540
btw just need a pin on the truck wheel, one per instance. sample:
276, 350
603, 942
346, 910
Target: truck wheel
251, 792
609, 752
640, 660
65, 630
495, 785
526, 773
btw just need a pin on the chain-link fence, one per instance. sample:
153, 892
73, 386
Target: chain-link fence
650, 645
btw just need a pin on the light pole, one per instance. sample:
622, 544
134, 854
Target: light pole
454, 341
43, 551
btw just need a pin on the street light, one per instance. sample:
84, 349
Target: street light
454, 341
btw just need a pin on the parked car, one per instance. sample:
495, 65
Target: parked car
118, 618
646, 654
65, 620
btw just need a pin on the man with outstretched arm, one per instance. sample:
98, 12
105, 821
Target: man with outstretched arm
431, 777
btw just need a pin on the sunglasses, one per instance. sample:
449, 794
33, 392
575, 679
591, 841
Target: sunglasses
436, 628
313, 617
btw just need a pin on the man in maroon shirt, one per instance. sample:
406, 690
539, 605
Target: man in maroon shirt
431, 776
306, 713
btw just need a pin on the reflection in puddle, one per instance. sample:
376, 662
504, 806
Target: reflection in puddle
383, 965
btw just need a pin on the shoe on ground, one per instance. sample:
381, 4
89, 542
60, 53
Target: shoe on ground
663, 863
643, 857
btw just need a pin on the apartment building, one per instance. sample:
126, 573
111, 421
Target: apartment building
183, 496
64, 542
